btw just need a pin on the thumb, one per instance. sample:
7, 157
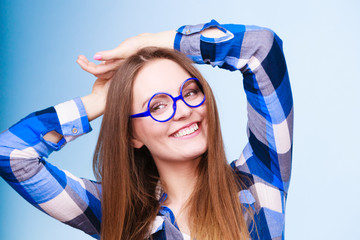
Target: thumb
108, 55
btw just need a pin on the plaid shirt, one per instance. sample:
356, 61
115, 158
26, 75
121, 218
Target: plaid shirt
265, 161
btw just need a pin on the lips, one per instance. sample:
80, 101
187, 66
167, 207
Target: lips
186, 130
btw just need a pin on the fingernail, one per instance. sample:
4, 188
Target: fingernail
97, 57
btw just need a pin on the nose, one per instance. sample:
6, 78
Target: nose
182, 110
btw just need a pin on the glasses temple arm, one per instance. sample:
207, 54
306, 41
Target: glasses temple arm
143, 114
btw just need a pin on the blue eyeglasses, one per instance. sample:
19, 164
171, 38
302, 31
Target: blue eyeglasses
162, 106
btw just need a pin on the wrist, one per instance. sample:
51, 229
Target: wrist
165, 39
94, 105
161, 39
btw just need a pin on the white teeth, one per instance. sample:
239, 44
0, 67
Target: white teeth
187, 131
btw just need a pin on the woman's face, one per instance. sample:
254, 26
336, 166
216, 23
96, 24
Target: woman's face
174, 140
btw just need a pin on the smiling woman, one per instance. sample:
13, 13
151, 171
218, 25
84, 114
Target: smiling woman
180, 166
159, 160
163, 139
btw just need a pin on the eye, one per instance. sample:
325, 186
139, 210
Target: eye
191, 93
158, 107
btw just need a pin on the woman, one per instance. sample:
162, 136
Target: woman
160, 156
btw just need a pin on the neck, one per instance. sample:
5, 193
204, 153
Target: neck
179, 179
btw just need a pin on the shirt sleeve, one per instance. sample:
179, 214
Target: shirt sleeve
265, 163
58, 193
257, 53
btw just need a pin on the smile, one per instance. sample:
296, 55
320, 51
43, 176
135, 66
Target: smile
187, 131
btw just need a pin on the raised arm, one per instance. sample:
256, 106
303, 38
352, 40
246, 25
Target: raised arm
257, 53
266, 159
25, 145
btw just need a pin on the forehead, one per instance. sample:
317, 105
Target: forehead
161, 75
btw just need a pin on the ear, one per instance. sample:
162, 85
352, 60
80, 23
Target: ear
136, 143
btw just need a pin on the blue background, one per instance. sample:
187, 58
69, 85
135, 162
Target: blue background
40, 41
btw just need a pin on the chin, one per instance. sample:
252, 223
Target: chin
194, 153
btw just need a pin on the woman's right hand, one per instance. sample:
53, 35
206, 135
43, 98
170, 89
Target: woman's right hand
105, 70
111, 60
95, 102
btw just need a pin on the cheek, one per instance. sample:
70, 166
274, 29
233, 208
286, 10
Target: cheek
204, 115
147, 130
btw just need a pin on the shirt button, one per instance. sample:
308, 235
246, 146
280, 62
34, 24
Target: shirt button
74, 130
188, 31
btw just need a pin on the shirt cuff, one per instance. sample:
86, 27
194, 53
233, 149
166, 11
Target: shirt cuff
188, 39
73, 120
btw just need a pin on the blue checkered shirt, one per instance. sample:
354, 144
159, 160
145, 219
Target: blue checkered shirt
265, 162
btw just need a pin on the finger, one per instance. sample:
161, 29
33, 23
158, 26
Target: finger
109, 55
82, 57
89, 67
109, 61
106, 66
82, 61
86, 65
101, 68
107, 75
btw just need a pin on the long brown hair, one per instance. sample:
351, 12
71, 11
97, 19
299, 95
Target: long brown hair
129, 176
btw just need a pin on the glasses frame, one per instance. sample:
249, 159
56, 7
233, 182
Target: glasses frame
175, 99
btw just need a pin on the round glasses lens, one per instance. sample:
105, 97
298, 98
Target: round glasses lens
192, 93
161, 107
